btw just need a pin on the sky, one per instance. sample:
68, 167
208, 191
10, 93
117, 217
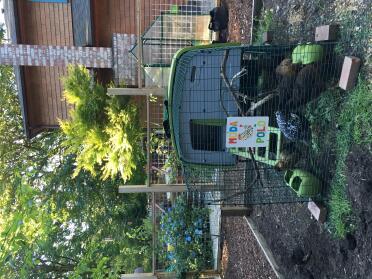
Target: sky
1, 14
2, 20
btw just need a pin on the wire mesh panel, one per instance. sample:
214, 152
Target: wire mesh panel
174, 24
186, 240
211, 84
165, 167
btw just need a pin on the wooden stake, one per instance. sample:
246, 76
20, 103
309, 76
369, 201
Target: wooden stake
235, 211
157, 188
136, 91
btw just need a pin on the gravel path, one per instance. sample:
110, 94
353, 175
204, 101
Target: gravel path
240, 13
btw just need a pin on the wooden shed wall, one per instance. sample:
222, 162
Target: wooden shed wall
44, 24
119, 16
51, 24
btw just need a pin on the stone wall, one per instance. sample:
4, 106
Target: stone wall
39, 55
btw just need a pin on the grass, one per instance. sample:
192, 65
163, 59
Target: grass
355, 125
343, 118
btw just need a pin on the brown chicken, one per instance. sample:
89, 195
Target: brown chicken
286, 68
308, 86
288, 158
297, 86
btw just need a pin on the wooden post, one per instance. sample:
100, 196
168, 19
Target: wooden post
164, 188
138, 276
139, 40
157, 188
136, 91
153, 232
235, 211
203, 274
169, 275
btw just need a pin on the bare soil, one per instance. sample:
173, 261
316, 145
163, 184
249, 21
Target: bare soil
305, 249
302, 247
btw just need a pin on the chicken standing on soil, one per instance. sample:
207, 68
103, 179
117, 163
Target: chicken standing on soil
298, 86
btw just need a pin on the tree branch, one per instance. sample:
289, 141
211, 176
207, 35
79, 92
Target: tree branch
227, 83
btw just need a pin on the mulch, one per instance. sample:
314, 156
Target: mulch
240, 13
241, 255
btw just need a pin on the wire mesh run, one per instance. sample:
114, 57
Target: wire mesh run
174, 24
281, 83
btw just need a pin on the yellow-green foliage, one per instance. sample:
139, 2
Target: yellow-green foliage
123, 142
103, 132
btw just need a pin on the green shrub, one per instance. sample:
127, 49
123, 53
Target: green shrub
184, 234
103, 132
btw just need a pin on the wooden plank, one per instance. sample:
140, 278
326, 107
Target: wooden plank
59, 93
136, 91
153, 233
62, 24
47, 77
127, 20
157, 188
63, 104
163, 188
132, 13
138, 276
50, 30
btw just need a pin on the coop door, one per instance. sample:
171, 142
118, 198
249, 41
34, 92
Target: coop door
206, 136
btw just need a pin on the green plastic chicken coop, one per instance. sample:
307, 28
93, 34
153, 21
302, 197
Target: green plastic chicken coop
210, 83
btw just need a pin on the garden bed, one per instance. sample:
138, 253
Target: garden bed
301, 246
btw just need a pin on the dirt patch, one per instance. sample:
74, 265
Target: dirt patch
305, 249
359, 176
241, 255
